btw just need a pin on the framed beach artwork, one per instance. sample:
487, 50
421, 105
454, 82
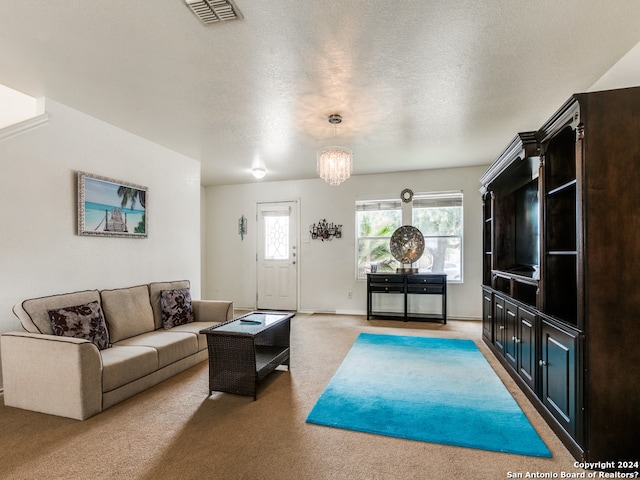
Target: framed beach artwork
111, 208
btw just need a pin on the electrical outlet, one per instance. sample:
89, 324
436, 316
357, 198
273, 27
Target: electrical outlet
349, 295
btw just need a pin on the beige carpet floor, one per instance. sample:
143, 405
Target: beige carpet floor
177, 431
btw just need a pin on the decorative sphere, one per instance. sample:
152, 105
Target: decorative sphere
407, 244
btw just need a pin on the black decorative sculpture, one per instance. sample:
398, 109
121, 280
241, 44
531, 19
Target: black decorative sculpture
325, 231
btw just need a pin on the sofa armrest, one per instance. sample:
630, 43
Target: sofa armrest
51, 374
212, 310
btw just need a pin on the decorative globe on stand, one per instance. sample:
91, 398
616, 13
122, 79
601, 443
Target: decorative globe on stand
407, 246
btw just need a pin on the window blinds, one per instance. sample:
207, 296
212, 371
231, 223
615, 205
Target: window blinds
437, 200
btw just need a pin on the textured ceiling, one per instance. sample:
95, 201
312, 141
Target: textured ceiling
420, 84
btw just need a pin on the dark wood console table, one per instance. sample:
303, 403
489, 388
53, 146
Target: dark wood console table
406, 284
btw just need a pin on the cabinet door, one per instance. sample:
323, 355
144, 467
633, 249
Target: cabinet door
559, 371
510, 337
527, 364
498, 323
487, 314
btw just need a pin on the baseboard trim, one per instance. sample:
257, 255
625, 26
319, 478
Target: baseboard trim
363, 313
349, 312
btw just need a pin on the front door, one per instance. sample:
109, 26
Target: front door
277, 258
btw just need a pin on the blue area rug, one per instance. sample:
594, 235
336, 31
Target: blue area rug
428, 389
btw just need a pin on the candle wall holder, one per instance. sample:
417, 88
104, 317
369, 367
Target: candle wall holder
325, 231
242, 227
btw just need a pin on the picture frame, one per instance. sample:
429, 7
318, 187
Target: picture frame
111, 208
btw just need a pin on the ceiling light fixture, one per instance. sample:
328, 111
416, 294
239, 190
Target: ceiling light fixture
335, 163
258, 172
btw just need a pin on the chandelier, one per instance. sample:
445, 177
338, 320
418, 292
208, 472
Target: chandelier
334, 163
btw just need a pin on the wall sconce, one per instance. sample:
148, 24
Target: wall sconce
325, 231
242, 227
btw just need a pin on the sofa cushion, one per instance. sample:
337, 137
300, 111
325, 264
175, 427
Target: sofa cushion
122, 365
195, 329
127, 312
176, 307
155, 289
81, 321
171, 346
34, 313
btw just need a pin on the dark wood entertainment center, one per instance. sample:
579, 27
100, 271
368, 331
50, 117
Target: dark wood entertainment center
561, 271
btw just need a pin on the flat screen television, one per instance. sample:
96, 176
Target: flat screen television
527, 220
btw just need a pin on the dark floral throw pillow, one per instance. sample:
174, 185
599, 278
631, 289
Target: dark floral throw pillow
176, 307
81, 321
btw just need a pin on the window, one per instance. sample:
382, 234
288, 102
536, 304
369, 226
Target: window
376, 220
437, 215
276, 236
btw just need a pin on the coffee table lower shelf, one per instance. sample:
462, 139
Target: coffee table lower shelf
269, 358
241, 378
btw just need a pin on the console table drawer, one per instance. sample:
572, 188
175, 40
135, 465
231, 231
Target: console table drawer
384, 279
433, 279
429, 289
386, 288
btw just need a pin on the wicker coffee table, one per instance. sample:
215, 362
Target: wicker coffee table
246, 349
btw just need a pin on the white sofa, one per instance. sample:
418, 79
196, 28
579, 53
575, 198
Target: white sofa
72, 377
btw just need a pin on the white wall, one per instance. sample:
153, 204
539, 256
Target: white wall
625, 73
17, 107
40, 252
327, 269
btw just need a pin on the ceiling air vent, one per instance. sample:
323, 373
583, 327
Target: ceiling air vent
211, 11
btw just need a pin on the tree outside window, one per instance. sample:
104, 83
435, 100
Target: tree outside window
439, 218
437, 215
376, 220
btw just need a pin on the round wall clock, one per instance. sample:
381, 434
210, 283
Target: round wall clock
406, 195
